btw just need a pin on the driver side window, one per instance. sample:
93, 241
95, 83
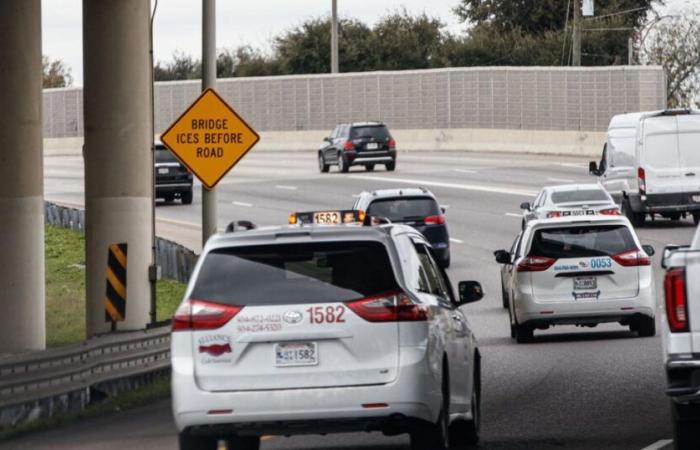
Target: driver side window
603, 160
435, 280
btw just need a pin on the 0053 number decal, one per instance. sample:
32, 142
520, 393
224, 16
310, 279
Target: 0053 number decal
326, 314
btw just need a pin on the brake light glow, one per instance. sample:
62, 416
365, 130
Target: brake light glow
392, 144
293, 219
553, 214
535, 264
610, 212
389, 307
203, 315
632, 258
435, 220
348, 145
676, 300
641, 174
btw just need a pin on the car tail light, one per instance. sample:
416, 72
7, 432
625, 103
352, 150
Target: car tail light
435, 220
203, 315
632, 258
392, 144
676, 300
390, 307
610, 212
535, 264
553, 214
642, 175
348, 145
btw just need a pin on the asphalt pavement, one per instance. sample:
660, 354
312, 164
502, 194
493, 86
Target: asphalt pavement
573, 388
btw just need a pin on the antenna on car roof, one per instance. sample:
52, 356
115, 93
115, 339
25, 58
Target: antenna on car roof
241, 225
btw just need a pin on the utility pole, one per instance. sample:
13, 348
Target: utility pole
630, 51
334, 37
577, 34
208, 81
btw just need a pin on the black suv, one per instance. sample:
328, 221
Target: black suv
173, 180
358, 144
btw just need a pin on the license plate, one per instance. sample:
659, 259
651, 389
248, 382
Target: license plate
372, 146
585, 283
696, 198
296, 354
327, 218
578, 212
163, 171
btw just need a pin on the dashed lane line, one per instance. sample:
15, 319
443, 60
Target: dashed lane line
660, 445
560, 180
469, 171
464, 187
247, 205
285, 187
514, 215
456, 241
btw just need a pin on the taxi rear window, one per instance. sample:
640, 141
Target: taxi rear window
295, 273
582, 242
588, 195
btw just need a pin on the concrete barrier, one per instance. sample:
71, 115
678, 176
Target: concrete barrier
549, 142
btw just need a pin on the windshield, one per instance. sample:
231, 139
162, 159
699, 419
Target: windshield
581, 242
163, 155
378, 132
580, 196
403, 208
295, 273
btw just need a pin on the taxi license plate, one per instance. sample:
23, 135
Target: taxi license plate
372, 146
296, 354
578, 212
327, 218
585, 283
163, 171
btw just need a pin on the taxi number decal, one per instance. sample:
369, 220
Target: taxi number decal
327, 314
601, 263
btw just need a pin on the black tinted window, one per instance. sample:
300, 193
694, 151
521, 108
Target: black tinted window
379, 133
163, 155
295, 273
396, 209
590, 195
581, 242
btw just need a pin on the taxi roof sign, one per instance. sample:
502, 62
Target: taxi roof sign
209, 138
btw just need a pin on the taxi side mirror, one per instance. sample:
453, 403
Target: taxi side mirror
649, 250
502, 257
525, 206
326, 139
470, 292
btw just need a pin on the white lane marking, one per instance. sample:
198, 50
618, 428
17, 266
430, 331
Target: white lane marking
574, 165
456, 241
465, 187
560, 180
285, 187
514, 215
466, 171
659, 445
247, 205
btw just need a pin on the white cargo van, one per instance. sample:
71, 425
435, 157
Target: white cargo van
651, 164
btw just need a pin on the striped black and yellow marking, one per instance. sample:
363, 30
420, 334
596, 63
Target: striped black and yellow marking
115, 300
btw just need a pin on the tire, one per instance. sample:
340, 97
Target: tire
637, 219
504, 297
189, 442
390, 166
186, 197
646, 326
429, 436
446, 260
524, 334
169, 198
243, 443
466, 432
322, 166
369, 167
686, 426
696, 218
674, 216
343, 165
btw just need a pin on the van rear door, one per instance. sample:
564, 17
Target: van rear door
660, 157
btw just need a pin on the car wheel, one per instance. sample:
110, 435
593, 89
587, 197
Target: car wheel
446, 260
686, 426
169, 198
390, 166
189, 442
435, 436
466, 432
674, 216
186, 197
696, 218
322, 166
243, 443
524, 334
504, 296
637, 219
646, 326
369, 167
343, 165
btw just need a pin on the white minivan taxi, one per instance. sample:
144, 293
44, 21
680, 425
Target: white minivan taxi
580, 271
321, 329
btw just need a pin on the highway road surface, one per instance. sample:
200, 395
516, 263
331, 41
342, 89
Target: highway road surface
574, 388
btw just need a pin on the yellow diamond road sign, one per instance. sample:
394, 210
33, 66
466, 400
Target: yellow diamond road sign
210, 138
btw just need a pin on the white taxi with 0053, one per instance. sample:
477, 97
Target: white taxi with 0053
580, 271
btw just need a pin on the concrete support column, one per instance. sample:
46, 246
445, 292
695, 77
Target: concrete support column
21, 171
118, 197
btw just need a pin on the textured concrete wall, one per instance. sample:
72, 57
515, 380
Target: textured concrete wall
516, 98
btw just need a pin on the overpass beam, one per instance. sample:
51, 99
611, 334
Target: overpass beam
118, 166
21, 171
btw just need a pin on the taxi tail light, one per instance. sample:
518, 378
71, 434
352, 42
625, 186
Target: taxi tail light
435, 220
348, 145
392, 144
293, 219
535, 264
610, 212
676, 300
632, 258
553, 214
203, 315
642, 175
390, 307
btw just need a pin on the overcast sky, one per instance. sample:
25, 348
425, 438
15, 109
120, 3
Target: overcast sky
178, 22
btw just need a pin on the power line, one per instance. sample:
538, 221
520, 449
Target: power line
619, 13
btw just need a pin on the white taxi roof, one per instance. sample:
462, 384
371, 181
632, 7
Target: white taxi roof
580, 220
574, 187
